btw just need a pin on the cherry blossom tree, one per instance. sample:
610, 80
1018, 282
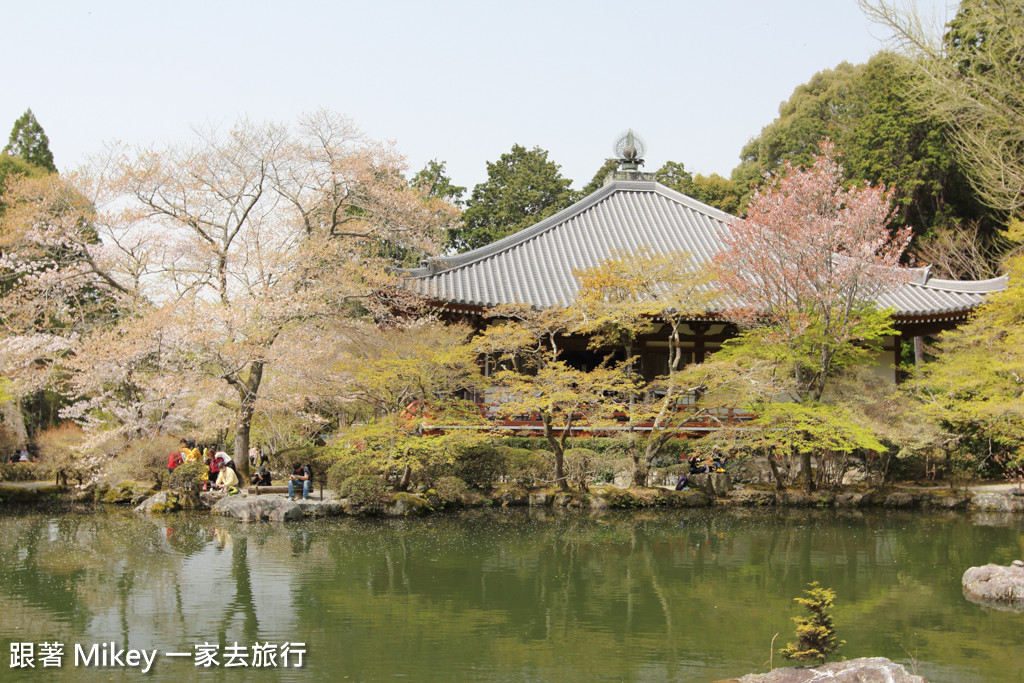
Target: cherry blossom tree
809, 261
803, 271
219, 252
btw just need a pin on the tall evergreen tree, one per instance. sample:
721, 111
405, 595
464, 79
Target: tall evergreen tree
522, 187
29, 141
433, 181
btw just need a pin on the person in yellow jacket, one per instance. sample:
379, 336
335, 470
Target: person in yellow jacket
227, 480
189, 452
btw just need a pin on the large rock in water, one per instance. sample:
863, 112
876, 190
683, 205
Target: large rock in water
173, 501
863, 670
995, 582
713, 484
320, 508
258, 508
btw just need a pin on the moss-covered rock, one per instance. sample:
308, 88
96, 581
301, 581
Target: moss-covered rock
621, 499
126, 493
852, 499
28, 495
407, 505
750, 497
539, 499
686, 499
947, 500
797, 498
162, 502
634, 498
898, 499
509, 494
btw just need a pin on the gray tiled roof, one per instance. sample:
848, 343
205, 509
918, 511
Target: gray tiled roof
534, 266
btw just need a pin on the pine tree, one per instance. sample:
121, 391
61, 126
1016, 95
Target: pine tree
816, 634
29, 142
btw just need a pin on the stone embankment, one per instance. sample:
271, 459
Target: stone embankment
704, 490
863, 670
277, 508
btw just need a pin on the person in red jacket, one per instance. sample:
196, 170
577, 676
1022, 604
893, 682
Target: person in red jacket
175, 459
214, 464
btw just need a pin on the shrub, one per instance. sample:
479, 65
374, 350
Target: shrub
451, 489
12, 425
346, 463
364, 492
58, 448
477, 464
524, 467
189, 476
26, 471
142, 460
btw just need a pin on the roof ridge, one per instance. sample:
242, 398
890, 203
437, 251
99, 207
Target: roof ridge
591, 200
992, 284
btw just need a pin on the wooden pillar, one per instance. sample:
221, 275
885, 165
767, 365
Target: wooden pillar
699, 330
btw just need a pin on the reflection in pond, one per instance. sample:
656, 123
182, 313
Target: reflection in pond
509, 595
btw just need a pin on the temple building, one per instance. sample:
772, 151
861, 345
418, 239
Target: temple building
535, 266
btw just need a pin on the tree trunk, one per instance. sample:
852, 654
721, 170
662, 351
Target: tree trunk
247, 392
640, 471
774, 467
805, 467
556, 448
405, 479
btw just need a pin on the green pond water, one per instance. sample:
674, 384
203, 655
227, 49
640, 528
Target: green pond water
519, 595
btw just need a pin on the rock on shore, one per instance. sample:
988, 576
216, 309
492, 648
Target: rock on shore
863, 670
258, 508
995, 582
174, 501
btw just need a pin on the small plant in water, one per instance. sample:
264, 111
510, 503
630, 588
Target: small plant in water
816, 634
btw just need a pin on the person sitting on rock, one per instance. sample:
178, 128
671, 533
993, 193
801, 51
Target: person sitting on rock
696, 467
227, 480
262, 477
301, 473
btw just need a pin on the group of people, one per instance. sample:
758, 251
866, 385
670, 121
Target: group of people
222, 473
20, 455
714, 463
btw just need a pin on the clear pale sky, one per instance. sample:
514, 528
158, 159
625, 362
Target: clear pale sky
459, 81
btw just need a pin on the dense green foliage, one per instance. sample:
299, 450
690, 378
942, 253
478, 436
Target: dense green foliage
974, 389
883, 134
523, 187
433, 181
714, 190
364, 492
971, 79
